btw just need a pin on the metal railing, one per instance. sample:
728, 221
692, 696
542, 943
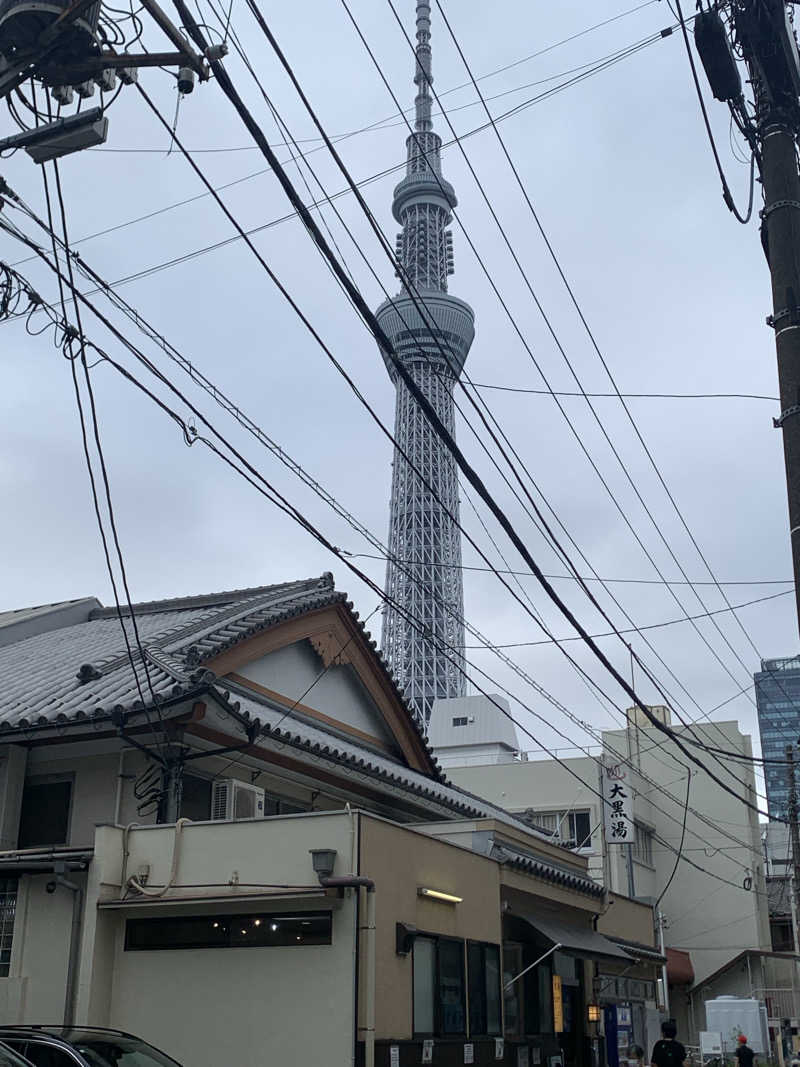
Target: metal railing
780, 1003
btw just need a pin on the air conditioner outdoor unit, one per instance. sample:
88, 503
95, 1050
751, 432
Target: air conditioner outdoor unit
232, 799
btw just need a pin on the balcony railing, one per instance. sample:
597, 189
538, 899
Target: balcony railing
780, 1003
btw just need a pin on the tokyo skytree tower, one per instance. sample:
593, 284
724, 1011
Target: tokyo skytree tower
431, 332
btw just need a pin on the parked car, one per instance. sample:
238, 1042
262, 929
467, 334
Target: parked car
80, 1046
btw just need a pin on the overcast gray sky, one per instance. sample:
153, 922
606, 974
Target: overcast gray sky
675, 291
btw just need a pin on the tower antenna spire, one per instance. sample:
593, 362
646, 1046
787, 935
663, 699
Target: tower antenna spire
423, 73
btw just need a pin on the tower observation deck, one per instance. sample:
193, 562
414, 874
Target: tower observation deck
431, 332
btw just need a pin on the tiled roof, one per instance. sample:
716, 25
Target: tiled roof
290, 731
74, 671
83, 670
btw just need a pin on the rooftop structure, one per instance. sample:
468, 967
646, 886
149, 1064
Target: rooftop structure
431, 331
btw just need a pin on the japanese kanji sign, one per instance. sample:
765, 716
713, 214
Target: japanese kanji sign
617, 804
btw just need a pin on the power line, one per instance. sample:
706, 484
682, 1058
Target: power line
591, 336
228, 88
388, 123
656, 625
386, 172
629, 396
610, 581
518, 331
189, 440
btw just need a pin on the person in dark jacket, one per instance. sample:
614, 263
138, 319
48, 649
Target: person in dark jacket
668, 1052
744, 1054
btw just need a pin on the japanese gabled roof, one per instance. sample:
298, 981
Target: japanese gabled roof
77, 668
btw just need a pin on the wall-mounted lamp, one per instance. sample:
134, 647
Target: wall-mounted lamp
436, 894
594, 1013
324, 860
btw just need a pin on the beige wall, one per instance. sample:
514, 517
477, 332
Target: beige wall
400, 860
629, 919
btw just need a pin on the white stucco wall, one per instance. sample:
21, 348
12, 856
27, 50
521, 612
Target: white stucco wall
226, 1005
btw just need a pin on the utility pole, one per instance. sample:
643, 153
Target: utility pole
763, 34
781, 222
794, 837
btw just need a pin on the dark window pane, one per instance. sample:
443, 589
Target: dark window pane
512, 966
196, 798
451, 987
477, 992
44, 819
424, 985
492, 986
46, 1056
228, 931
583, 830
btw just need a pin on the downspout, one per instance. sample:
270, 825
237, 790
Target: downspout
74, 944
358, 882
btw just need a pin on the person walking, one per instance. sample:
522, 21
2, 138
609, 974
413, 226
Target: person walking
671, 1053
744, 1054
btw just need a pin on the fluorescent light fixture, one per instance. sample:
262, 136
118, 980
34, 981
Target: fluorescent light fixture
436, 894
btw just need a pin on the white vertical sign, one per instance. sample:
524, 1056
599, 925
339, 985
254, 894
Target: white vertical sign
617, 804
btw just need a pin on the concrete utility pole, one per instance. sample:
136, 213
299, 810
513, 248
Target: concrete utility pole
765, 37
762, 33
781, 221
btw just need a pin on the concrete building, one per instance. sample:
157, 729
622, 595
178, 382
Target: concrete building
247, 852
778, 701
715, 905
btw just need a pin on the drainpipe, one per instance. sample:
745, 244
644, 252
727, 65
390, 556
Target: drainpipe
74, 940
357, 882
664, 979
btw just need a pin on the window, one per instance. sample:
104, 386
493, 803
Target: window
483, 971
512, 996
460, 720
451, 987
424, 985
44, 818
228, 931
643, 844
439, 986
572, 828
8, 911
43, 1055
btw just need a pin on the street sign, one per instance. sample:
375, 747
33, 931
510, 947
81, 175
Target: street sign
617, 804
710, 1043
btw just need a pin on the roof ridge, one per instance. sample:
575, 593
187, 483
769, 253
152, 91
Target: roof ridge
199, 600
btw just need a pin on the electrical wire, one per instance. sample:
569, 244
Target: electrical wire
663, 892
190, 440
656, 525
245, 115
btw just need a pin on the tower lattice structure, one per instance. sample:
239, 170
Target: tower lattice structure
431, 332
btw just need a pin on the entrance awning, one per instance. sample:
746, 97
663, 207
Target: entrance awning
579, 940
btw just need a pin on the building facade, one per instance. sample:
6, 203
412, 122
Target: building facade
431, 332
249, 853
715, 902
778, 701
